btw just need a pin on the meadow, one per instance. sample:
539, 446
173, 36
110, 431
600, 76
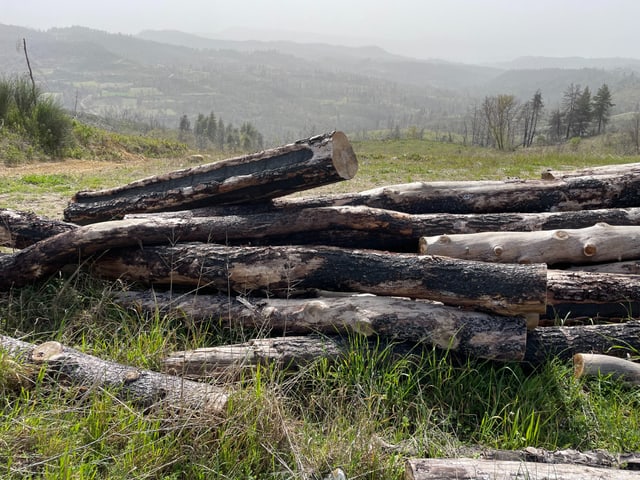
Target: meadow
365, 413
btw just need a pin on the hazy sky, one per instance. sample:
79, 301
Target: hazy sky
461, 30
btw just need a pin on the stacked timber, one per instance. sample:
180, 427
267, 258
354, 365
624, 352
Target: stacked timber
484, 268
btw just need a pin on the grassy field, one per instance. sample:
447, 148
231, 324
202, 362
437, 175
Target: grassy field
365, 413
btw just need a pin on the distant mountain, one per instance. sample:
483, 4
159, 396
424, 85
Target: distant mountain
530, 63
286, 89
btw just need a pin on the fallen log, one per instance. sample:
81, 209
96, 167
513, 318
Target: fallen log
145, 388
374, 228
625, 168
251, 178
475, 334
591, 364
21, 229
596, 244
592, 294
575, 193
631, 267
563, 343
505, 289
477, 469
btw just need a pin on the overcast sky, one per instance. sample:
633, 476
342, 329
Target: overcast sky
459, 30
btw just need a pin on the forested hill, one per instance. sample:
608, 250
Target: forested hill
286, 89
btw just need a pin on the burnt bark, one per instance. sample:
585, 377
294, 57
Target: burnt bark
476, 334
21, 229
248, 179
506, 289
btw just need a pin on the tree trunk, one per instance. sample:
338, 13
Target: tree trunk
591, 364
631, 267
251, 178
476, 469
228, 361
596, 244
622, 169
476, 334
506, 289
143, 387
573, 193
365, 227
21, 229
564, 342
590, 294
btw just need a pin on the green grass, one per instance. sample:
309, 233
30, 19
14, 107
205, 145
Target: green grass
365, 413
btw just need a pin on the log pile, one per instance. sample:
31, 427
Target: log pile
485, 268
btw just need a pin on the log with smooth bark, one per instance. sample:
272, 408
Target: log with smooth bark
593, 364
143, 387
506, 289
618, 339
21, 229
476, 334
620, 169
489, 196
599, 243
251, 178
478, 469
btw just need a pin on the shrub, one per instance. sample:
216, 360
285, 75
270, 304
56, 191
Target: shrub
51, 127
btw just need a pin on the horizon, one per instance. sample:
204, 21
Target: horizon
462, 31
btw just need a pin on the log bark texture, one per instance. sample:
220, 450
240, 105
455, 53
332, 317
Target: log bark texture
631, 267
564, 342
596, 244
620, 169
506, 289
593, 364
143, 387
252, 178
592, 294
21, 229
574, 193
477, 469
476, 334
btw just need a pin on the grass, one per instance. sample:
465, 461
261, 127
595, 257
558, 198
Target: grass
365, 413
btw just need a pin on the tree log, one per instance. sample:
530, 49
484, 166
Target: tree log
374, 228
564, 342
631, 267
21, 229
252, 178
625, 169
143, 387
575, 193
591, 364
596, 244
476, 469
475, 334
506, 289
591, 294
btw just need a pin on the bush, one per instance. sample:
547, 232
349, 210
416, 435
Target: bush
51, 127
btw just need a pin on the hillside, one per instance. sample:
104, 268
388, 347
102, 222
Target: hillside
286, 89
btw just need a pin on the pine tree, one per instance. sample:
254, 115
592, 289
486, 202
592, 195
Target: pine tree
601, 107
583, 114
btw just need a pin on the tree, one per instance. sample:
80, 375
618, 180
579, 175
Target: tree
499, 112
556, 131
185, 128
220, 134
583, 114
601, 107
200, 131
569, 102
212, 128
530, 114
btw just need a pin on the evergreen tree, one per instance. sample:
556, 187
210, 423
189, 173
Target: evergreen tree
583, 114
184, 128
211, 128
220, 134
601, 107
569, 101
531, 113
200, 131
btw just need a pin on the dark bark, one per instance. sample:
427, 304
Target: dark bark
506, 289
21, 229
476, 334
248, 179
563, 343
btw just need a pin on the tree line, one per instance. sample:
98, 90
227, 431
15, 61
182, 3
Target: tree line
501, 121
210, 131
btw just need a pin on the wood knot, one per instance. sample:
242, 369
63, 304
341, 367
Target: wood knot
444, 239
561, 235
589, 250
497, 250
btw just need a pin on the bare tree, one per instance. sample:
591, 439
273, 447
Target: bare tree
499, 112
530, 113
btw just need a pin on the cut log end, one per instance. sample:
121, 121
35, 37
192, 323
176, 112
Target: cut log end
344, 158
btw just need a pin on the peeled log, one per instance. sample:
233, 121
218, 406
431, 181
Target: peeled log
596, 244
617, 339
591, 364
477, 469
143, 387
252, 178
506, 289
475, 334
626, 168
